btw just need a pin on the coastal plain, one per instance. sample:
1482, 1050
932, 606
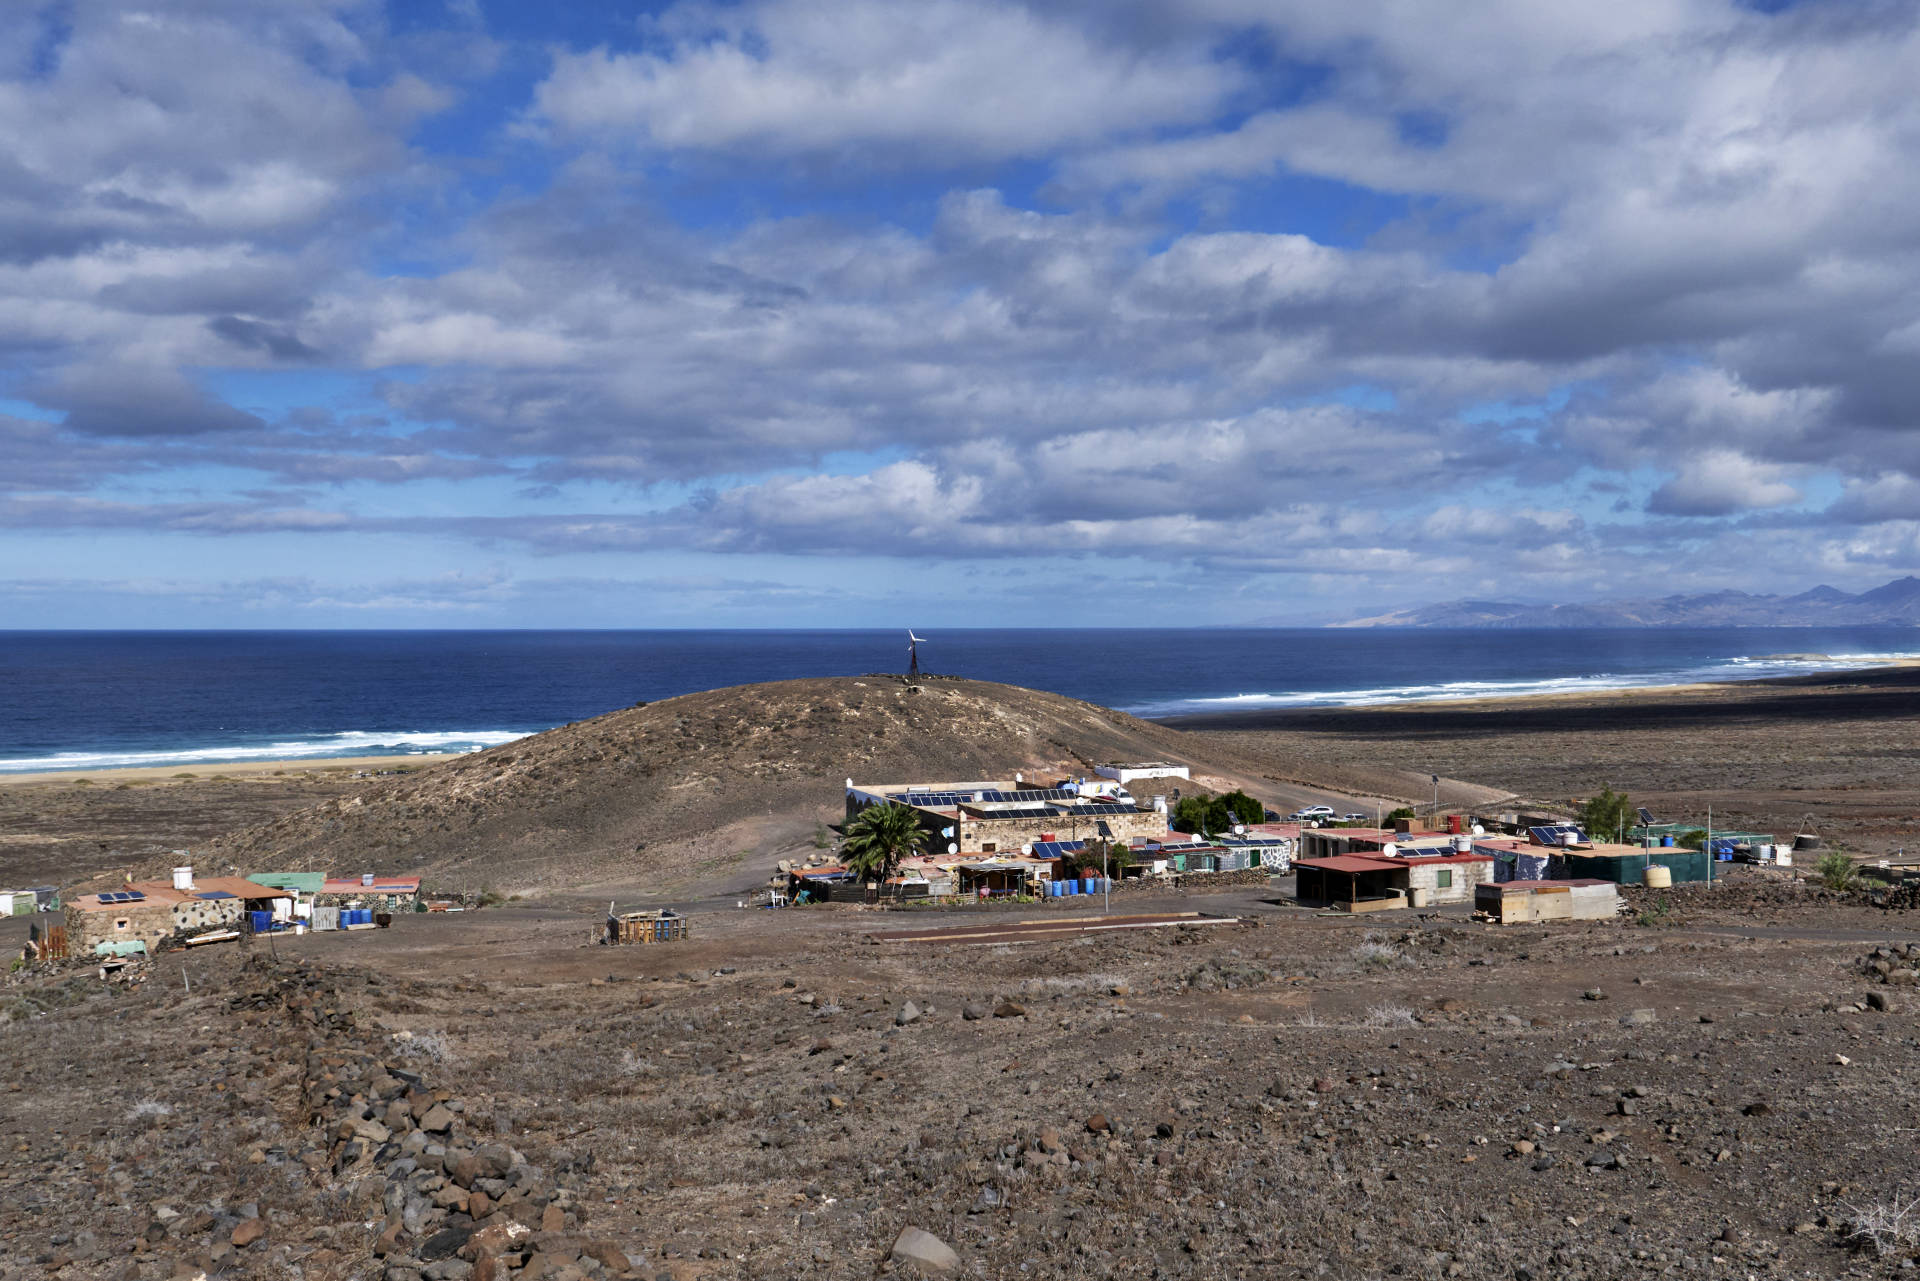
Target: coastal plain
1715, 1084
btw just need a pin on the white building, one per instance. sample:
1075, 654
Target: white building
1126, 773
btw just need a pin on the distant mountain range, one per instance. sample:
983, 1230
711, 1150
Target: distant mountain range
1896, 603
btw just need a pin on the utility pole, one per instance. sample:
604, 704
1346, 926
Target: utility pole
1709, 847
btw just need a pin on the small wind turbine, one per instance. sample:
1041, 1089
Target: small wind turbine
913, 654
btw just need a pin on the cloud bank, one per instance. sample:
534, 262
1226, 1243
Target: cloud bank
1275, 302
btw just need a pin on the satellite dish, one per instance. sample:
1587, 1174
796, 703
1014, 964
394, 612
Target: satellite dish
952, 848
1026, 849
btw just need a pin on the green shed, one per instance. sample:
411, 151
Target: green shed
297, 882
1627, 866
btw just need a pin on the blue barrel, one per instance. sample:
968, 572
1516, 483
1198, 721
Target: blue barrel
1666, 842
1071, 887
1054, 890
262, 922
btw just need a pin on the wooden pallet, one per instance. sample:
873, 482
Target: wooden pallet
648, 930
49, 942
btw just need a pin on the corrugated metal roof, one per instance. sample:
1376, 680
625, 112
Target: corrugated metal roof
1352, 864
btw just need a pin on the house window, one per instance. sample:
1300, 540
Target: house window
120, 925
990, 848
1442, 878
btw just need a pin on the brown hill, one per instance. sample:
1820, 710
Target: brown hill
704, 791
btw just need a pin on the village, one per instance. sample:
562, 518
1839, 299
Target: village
1028, 841
1009, 842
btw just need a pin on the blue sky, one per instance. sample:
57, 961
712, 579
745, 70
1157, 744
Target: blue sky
475, 313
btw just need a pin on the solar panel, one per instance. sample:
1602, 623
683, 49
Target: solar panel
932, 798
1031, 794
211, 894
1550, 834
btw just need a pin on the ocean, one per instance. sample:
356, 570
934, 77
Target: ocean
99, 700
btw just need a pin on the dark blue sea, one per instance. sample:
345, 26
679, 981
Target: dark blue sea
96, 700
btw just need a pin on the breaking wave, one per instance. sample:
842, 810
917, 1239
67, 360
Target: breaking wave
349, 743
1763, 667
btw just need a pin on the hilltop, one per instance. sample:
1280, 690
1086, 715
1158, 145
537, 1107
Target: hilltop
705, 790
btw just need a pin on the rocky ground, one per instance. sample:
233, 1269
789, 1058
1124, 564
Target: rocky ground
1694, 1093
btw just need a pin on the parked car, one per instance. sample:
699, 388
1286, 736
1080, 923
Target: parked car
1311, 812
1355, 818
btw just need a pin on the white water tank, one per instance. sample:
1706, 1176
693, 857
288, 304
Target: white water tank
183, 879
366, 878
1463, 845
1566, 840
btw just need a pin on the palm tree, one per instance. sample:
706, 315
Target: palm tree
879, 837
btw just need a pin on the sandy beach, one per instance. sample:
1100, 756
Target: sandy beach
261, 770
1837, 753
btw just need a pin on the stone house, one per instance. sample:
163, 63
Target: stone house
381, 893
151, 912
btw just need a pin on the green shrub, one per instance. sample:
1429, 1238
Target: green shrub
1836, 871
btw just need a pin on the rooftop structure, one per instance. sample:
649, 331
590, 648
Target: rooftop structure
1371, 882
1126, 772
999, 816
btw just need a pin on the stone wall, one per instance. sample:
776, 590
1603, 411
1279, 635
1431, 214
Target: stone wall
151, 922
206, 914
1009, 834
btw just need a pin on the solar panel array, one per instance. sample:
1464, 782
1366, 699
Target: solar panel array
933, 799
1032, 794
212, 894
1550, 834
1055, 849
123, 896
1101, 809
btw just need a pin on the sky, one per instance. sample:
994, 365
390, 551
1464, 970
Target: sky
478, 313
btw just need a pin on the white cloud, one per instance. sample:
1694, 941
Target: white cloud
967, 79
1721, 482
